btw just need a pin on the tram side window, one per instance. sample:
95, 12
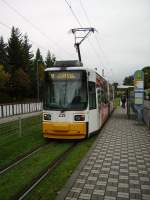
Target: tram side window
92, 95
104, 97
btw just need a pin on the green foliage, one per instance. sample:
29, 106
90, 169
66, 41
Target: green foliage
15, 51
27, 55
4, 78
21, 83
3, 53
19, 72
146, 71
50, 59
129, 80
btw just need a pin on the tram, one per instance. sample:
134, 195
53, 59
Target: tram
77, 101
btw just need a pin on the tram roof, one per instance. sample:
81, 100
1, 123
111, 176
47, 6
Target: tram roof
69, 68
125, 87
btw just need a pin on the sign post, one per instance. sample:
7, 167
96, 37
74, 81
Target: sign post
139, 93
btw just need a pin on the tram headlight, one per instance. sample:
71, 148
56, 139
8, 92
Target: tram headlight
79, 117
47, 117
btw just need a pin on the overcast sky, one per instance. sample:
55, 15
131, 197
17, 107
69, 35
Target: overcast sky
120, 46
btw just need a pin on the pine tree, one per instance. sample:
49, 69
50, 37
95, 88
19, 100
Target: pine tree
39, 64
37, 73
27, 55
3, 54
15, 51
20, 62
50, 59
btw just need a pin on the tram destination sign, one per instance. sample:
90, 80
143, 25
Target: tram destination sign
69, 75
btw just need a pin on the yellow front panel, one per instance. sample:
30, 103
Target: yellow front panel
64, 130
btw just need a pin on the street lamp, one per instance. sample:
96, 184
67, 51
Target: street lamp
37, 77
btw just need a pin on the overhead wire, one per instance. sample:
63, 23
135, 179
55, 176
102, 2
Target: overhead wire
6, 26
33, 25
69, 5
96, 38
79, 23
98, 55
36, 44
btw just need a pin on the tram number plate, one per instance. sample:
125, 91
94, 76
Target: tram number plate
61, 115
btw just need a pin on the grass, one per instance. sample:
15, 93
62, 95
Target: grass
12, 146
16, 179
116, 102
49, 188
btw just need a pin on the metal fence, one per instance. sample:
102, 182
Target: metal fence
8, 110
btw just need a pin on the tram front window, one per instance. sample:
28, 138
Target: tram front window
66, 90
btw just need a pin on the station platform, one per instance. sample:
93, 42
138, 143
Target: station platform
117, 167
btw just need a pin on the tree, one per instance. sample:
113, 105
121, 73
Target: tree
15, 51
4, 77
3, 53
4, 82
50, 59
37, 73
129, 80
27, 55
146, 71
21, 83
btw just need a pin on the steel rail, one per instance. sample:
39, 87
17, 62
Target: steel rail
22, 158
43, 174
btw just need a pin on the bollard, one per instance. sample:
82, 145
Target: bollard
20, 126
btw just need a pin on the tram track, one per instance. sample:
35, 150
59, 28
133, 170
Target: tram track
42, 175
21, 158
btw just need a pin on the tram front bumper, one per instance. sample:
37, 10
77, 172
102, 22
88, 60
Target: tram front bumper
77, 130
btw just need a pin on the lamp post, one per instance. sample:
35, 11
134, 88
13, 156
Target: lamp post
37, 77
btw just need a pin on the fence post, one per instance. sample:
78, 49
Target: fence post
2, 110
13, 109
21, 108
20, 126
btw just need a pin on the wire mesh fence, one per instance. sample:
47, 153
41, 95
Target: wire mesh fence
20, 127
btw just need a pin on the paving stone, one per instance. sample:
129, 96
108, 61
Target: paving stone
80, 181
123, 185
134, 181
123, 195
145, 197
71, 198
109, 198
99, 192
92, 178
135, 191
85, 196
101, 183
111, 188
145, 187
97, 197
88, 186
76, 190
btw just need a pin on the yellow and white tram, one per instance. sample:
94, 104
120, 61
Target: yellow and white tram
77, 101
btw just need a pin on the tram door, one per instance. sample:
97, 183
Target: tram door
93, 122
99, 107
